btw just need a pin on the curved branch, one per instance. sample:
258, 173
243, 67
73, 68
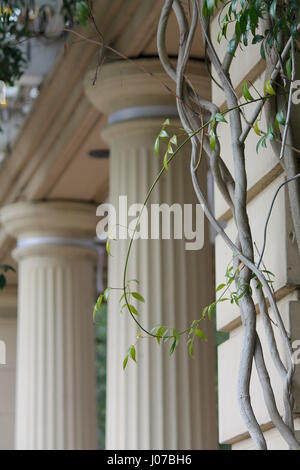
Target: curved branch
249, 321
289, 180
184, 93
285, 376
269, 397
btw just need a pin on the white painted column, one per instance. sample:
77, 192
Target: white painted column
8, 333
160, 402
56, 392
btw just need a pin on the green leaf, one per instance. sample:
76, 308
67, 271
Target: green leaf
219, 37
125, 362
99, 302
234, 5
176, 335
132, 353
200, 334
159, 333
257, 38
170, 148
94, 313
106, 294
2, 281
166, 161
231, 47
228, 271
204, 9
220, 118
237, 30
224, 30
288, 67
246, 93
273, 9
210, 6
270, 134
166, 123
220, 287
262, 142
7, 267
163, 133
256, 129
82, 12
268, 272
211, 310
173, 139
280, 117
172, 347
276, 125
245, 38
138, 296
268, 89
258, 144
156, 146
133, 310
212, 139
191, 348
108, 246
97, 306
262, 51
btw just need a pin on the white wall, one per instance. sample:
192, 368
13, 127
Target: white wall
281, 257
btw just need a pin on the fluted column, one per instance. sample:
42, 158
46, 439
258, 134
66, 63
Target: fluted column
56, 393
8, 333
160, 402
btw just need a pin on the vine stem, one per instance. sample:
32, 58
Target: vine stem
159, 175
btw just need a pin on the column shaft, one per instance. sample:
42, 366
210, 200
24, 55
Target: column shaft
56, 390
8, 334
161, 402
56, 380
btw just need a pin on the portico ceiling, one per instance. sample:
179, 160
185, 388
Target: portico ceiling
49, 159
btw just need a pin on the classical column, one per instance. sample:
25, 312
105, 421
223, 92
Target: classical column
8, 333
160, 402
56, 393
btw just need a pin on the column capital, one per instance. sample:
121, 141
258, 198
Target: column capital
50, 226
139, 89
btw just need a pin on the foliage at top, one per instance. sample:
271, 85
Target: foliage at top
21, 20
246, 16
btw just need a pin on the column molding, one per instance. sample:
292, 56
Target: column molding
159, 403
56, 404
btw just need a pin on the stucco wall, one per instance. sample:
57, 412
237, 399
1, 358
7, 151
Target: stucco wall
281, 257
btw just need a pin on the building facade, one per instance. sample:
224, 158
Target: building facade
50, 188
